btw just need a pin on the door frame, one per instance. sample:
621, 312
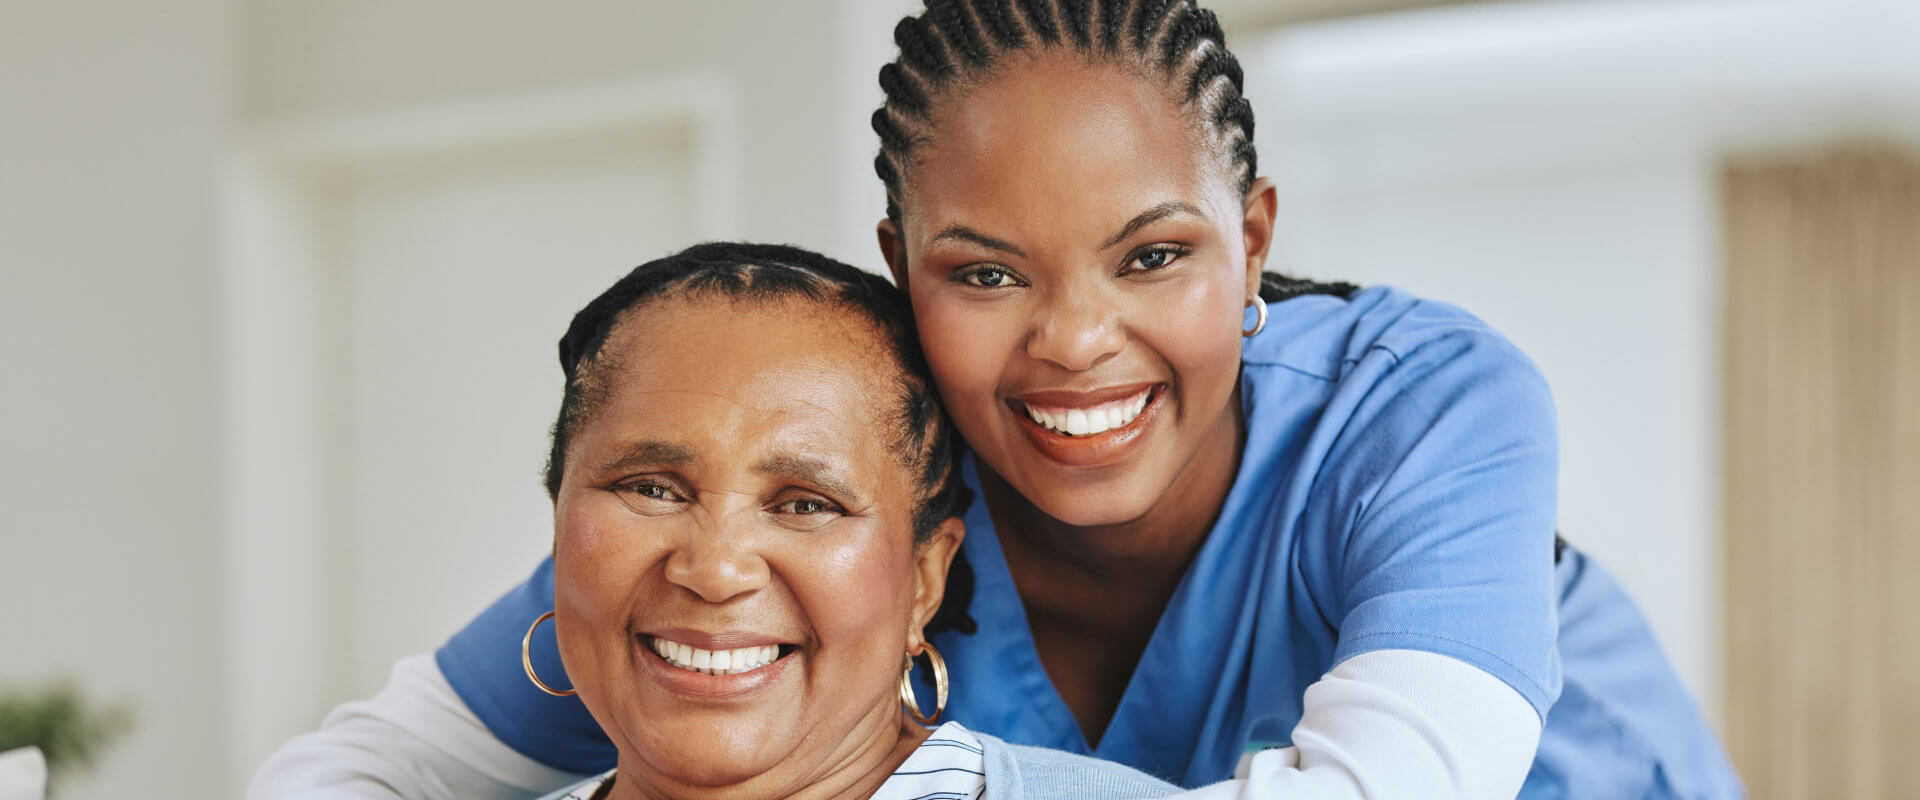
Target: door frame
282, 569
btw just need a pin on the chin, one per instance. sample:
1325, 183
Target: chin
1112, 501
720, 758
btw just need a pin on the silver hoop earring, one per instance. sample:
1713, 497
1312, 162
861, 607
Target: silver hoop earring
1260, 313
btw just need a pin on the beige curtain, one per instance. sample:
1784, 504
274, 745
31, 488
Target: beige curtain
1822, 489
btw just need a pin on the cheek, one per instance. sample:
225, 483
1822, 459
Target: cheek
856, 593
599, 555
1196, 327
966, 344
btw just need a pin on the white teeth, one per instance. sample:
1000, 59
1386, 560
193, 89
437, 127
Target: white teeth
1089, 421
716, 662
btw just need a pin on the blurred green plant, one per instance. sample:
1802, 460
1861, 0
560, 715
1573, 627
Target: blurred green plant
71, 729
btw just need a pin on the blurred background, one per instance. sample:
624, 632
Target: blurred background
280, 283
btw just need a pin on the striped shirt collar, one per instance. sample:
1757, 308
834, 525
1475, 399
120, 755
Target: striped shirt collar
949, 765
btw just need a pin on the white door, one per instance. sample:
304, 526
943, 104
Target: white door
452, 277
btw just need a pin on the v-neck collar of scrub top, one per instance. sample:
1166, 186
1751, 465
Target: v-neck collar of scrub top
1191, 637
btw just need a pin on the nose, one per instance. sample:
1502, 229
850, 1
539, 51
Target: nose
718, 563
1077, 331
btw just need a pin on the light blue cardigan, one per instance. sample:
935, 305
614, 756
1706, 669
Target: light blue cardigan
1019, 772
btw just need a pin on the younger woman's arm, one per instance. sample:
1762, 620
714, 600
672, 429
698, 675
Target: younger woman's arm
463, 723
1391, 724
1437, 504
415, 739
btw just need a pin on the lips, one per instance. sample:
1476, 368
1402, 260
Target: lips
714, 667
1088, 429
713, 662
1088, 421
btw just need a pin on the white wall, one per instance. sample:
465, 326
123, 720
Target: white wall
1551, 168
805, 71
111, 118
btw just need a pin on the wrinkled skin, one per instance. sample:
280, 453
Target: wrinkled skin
747, 492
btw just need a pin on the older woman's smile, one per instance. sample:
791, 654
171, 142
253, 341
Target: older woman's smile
731, 664
713, 662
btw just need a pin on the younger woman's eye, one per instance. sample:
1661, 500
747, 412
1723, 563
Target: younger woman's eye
987, 277
1157, 257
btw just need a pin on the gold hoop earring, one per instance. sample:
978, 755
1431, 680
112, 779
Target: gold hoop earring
1259, 306
526, 659
939, 685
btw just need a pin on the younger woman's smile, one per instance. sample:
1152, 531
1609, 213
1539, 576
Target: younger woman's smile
1088, 429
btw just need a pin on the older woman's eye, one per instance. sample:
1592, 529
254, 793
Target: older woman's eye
652, 491
805, 506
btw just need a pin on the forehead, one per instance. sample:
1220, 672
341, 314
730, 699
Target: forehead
749, 374
1055, 131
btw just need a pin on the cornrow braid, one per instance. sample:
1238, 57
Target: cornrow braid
956, 42
1004, 28
1038, 16
1076, 14
1111, 16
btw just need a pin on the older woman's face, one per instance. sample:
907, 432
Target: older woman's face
735, 578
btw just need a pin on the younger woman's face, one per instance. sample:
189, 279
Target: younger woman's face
1079, 262
736, 495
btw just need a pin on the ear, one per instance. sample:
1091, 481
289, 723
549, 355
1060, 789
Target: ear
1262, 202
893, 250
930, 574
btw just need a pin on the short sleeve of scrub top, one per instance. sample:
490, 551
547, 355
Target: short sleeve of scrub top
1439, 491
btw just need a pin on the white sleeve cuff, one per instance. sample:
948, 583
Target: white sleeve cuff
1394, 724
415, 739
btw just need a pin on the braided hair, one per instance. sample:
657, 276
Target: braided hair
956, 42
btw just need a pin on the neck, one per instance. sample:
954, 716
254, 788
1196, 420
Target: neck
1156, 547
1094, 594
854, 775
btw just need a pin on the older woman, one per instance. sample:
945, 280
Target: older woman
755, 503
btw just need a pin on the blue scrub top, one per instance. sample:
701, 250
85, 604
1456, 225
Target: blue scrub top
1396, 491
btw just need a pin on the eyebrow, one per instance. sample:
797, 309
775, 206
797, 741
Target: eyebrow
1153, 215
649, 453
807, 469
966, 234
